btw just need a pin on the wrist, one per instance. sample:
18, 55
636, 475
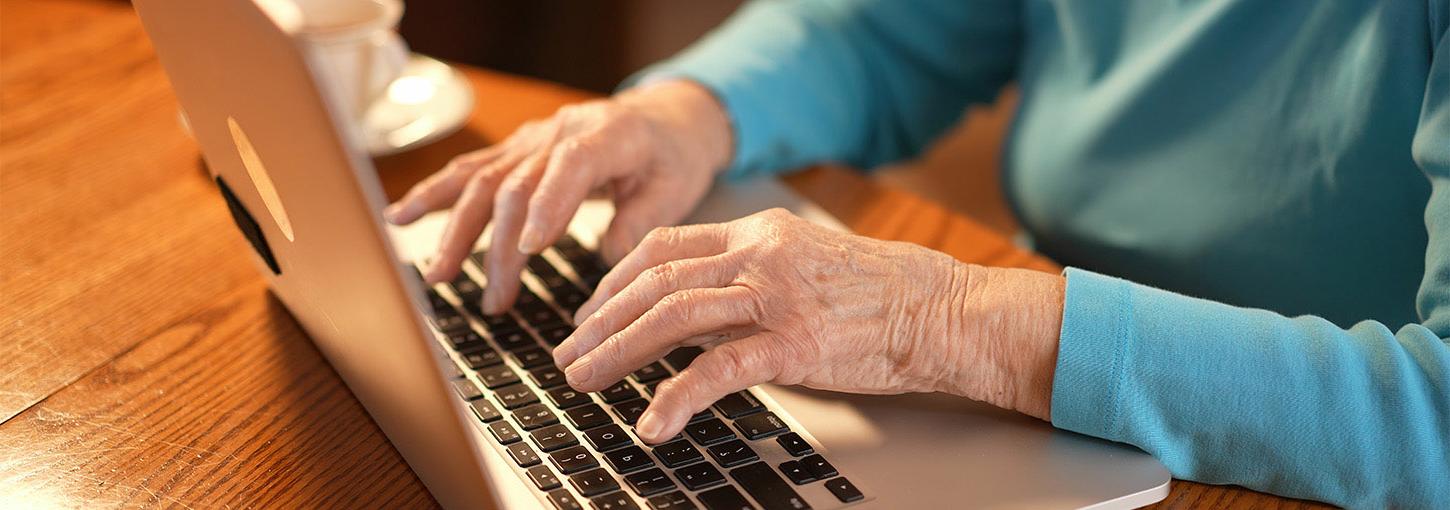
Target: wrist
690, 116
1002, 336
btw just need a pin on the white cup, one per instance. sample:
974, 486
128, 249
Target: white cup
361, 49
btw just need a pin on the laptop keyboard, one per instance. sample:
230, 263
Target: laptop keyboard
578, 450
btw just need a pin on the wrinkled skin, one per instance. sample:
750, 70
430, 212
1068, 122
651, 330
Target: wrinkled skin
655, 149
773, 297
783, 300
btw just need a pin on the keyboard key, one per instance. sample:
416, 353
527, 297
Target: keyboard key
539, 315
699, 475
768, 488
450, 324
530, 358
450, 369
562, 499
465, 340
515, 340
709, 432
553, 437
650, 482
555, 335
796, 472
569, 298
626, 460
566, 397
701, 416
436, 302
677, 453
607, 438
499, 324
680, 358
480, 358
523, 454
651, 387
466, 389
587, 416
466, 289
544, 478
817, 466
516, 396
629, 411
618, 393
844, 490
732, 453
724, 498
613, 501
757, 426
573, 460
650, 373
484, 410
497, 377
503, 432
594, 482
535, 416
671, 501
547, 376
739, 404
795, 445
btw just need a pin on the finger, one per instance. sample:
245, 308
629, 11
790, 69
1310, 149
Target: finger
642, 294
659, 246
728, 368
465, 224
576, 167
504, 265
679, 316
443, 188
636, 216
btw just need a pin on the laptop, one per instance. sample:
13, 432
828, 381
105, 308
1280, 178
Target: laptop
473, 402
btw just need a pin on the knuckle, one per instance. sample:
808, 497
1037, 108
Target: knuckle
660, 236
663, 275
513, 190
678, 307
731, 362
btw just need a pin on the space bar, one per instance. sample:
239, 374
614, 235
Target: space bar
768, 488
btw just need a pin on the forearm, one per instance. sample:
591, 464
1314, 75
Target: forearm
1002, 328
1295, 406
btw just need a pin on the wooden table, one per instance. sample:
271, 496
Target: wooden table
145, 363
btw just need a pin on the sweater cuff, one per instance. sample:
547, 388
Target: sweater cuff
1096, 335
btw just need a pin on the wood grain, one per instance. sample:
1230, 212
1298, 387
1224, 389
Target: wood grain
144, 362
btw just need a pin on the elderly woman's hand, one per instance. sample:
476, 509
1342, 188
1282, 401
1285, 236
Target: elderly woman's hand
783, 300
656, 148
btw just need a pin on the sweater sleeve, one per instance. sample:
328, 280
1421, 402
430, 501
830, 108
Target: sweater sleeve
861, 82
1358, 417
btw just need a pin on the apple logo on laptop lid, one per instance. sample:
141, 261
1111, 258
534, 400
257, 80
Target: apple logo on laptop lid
263, 182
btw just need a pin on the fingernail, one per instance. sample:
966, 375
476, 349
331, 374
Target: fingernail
434, 274
564, 354
649, 425
579, 373
400, 212
531, 241
490, 302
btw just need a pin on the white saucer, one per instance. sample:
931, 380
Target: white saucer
430, 100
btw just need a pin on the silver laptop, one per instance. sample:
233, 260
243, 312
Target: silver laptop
473, 402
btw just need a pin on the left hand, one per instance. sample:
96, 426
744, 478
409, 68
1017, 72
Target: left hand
783, 300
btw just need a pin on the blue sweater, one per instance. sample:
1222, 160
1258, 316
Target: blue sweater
1284, 163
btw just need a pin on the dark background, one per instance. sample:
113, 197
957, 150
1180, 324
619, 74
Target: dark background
590, 44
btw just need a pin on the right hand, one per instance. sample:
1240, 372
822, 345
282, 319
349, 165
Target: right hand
655, 148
